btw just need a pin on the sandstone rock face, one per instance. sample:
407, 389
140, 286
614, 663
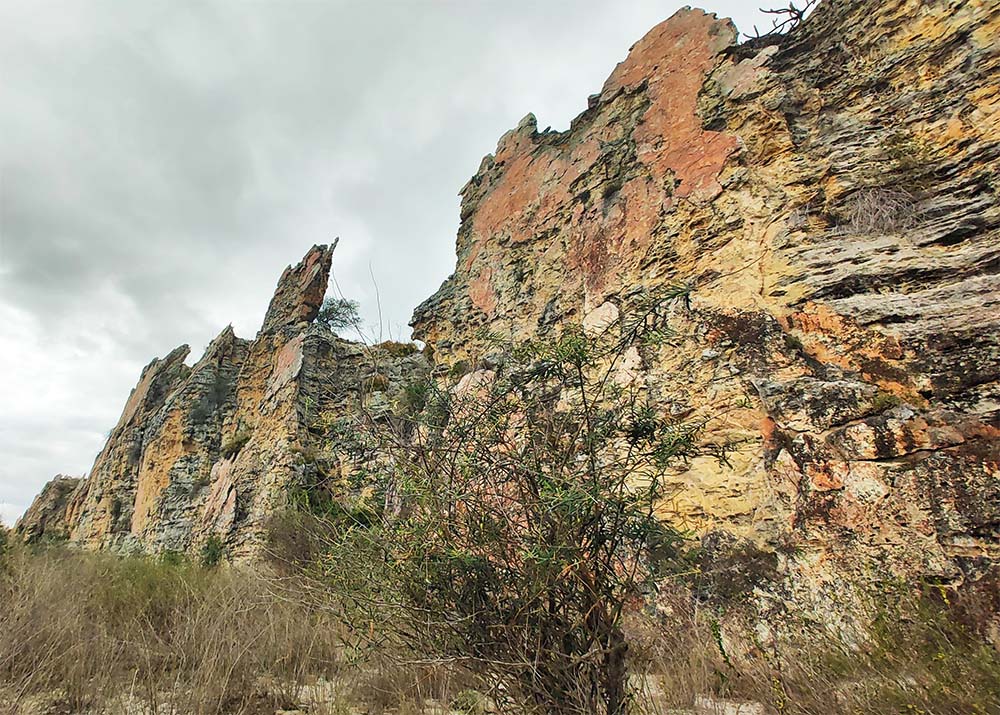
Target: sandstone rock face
214, 449
829, 200
47, 515
300, 291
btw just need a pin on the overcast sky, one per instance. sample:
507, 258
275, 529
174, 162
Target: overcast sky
162, 161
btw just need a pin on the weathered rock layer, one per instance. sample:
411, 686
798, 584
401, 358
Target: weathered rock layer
829, 200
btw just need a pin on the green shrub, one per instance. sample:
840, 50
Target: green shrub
885, 401
459, 369
507, 529
794, 342
413, 397
173, 558
395, 349
212, 552
338, 313
469, 702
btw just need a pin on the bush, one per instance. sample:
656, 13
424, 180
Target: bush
885, 401
394, 349
519, 525
212, 552
469, 702
173, 558
413, 397
338, 313
459, 369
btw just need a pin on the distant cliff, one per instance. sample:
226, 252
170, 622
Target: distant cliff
214, 449
829, 200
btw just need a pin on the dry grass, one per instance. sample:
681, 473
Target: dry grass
98, 634
94, 633
388, 685
113, 635
879, 211
913, 658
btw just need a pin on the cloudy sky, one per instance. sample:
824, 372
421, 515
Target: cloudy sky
161, 161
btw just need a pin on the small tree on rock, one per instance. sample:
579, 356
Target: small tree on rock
338, 313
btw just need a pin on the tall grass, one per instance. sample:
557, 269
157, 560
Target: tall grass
94, 633
908, 653
107, 634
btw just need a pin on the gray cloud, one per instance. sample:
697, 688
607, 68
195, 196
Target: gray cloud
162, 161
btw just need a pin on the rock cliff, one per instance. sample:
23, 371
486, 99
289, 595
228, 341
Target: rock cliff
215, 449
46, 517
828, 202
824, 203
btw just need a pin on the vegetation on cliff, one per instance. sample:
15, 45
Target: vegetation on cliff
508, 523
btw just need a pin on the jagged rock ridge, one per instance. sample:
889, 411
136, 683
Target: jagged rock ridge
213, 449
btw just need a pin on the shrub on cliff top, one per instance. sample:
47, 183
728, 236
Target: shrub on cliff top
338, 313
784, 19
393, 348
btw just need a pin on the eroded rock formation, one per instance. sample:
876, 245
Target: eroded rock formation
215, 449
47, 515
827, 200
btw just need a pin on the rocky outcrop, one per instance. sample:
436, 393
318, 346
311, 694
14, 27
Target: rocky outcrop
215, 449
300, 291
825, 205
47, 515
824, 208
157, 460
